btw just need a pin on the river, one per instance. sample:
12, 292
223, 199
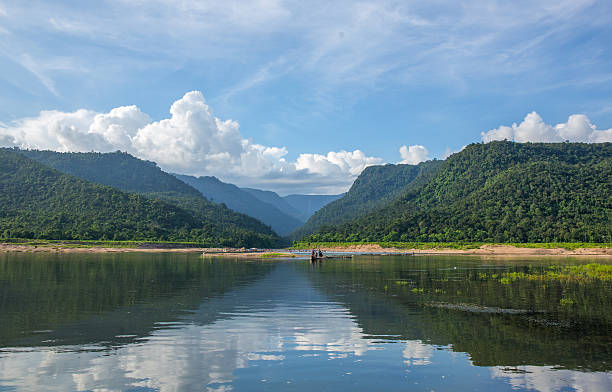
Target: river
180, 322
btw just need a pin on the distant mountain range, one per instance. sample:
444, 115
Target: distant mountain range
494, 192
300, 206
283, 214
241, 201
307, 205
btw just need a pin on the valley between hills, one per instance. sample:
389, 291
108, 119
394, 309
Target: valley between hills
541, 196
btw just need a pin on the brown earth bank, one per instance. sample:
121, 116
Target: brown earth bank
487, 250
213, 252
484, 250
59, 248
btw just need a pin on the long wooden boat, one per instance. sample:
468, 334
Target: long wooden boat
317, 258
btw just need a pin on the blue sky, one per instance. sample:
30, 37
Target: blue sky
301, 81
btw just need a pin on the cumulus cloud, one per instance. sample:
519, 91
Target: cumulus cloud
578, 128
191, 141
336, 163
413, 154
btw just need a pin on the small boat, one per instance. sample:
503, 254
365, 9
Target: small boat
320, 258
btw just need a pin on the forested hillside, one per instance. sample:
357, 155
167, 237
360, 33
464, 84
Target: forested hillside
500, 192
127, 173
374, 187
242, 201
118, 169
37, 201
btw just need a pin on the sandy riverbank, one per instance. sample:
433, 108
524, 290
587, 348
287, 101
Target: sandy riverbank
58, 248
484, 250
213, 252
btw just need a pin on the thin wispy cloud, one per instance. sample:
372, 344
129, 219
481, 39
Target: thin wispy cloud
351, 42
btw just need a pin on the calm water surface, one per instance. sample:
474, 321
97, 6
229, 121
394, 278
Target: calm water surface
180, 322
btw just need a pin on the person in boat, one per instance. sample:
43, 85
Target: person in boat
320, 253
314, 253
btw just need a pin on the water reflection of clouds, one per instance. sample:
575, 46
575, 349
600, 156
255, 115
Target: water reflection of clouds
191, 356
548, 379
196, 357
270, 323
416, 353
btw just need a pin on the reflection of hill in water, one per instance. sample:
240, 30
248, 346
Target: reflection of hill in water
408, 299
112, 300
48, 299
273, 318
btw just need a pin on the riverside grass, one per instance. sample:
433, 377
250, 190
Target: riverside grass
276, 255
451, 245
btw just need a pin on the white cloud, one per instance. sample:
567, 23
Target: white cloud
578, 128
414, 154
336, 163
548, 379
192, 141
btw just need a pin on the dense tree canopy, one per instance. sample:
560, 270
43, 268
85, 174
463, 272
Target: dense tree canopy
375, 186
37, 201
118, 169
499, 192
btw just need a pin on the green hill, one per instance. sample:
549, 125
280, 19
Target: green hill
118, 169
242, 201
374, 187
130, 174
500, 192
37, 201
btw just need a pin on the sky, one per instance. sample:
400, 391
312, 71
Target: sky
299, 97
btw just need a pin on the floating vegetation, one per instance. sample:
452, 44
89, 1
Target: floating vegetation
477, 308
566, 302
275, 255
572, 273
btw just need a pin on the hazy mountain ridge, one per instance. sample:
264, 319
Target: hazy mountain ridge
276, 200
309, 204
500, 192
242, 201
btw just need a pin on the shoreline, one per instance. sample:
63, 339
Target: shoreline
484, 250
365, 249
